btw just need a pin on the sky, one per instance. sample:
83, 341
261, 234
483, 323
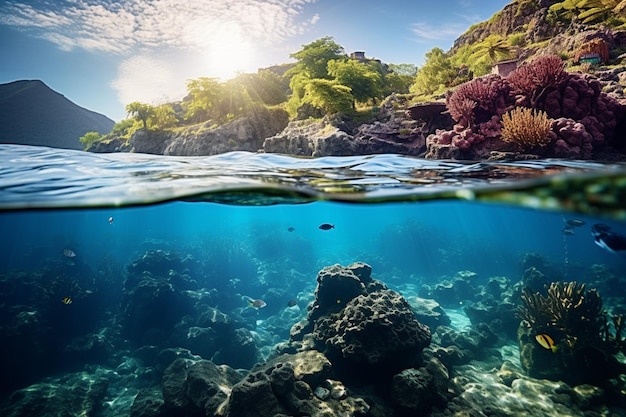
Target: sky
104, 54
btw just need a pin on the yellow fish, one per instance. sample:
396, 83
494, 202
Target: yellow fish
546, 342
66, 300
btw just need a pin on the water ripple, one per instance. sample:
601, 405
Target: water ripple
38, 177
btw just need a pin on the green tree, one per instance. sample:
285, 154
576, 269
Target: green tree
403, 69
363, 81
140, 112
163, 117
495, 47
328, 95
206, 94
298, 85
233, 101
313, 58
398, 78
435, 75
125, 128
89, 139
589, 11
264, 87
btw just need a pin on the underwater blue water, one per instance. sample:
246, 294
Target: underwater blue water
73, 225
425, 239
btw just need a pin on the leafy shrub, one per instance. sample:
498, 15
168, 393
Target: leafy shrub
89, 139
517, 39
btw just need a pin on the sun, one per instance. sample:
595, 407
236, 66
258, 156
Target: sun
230, 53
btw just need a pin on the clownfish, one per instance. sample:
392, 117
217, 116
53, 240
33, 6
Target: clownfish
546, 342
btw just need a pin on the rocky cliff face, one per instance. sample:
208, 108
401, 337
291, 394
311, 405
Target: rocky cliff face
245, 134
522, 16
393, 131
33, 114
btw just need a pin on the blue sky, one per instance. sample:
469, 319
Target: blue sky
103, 54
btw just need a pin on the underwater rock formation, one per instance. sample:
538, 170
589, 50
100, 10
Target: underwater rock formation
337, 285
416, 389
163, 306
374, 330
362, 326
429, 312
296, 384
189, 386
452, 292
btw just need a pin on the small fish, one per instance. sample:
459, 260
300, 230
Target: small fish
575, 222
66, 300
327, 226
257, 303
111, 220
292, 303
68, 253
546, 342
291, 229
604, 237
568, 231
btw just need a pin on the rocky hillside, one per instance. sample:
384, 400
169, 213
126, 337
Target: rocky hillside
243, 134
33, 114
527, 16
541, 31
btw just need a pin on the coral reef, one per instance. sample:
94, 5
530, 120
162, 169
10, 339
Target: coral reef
584, 117
374, 330
573, 318
526, 127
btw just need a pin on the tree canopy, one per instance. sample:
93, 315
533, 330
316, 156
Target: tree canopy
435, 75
140, 112
313, 58
363, 81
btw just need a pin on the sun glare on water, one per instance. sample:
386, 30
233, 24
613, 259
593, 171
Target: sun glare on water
229, 54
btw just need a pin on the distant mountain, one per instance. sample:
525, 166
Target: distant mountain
31, 113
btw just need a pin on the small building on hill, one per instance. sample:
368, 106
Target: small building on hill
504, 68
358, 55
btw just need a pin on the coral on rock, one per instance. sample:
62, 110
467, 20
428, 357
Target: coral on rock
573, 318
526, 127
585, 118
377, 329
356, 320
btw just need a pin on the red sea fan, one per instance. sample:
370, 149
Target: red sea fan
522, 80
531, 82
548, 70
466, 98
462, 110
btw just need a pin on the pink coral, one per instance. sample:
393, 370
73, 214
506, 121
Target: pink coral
573, 140
548, 70
478, 100
585, 117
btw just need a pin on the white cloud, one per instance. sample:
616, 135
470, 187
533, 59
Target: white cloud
164, 42
148, 79
121, 26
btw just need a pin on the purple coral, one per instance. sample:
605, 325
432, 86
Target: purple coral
478, 100
586, 117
